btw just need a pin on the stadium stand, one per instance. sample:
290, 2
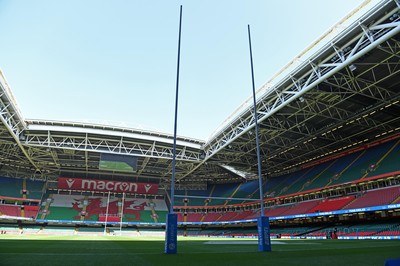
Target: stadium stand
344, 169
397, 200
227, 216
388, 162
10, 187
92, 208
369, 229
225, 191
194, 217
309, 180
304, 182
302, 207
194, 201
278, 210
375, 198
245, 215
361, 165
332, 204
35, 189
21, 188
10, 210
333, 172
248, 190
389, 230
387, 196
61, 213
31, 211
214, 217
368, 163
289, 181
349, 230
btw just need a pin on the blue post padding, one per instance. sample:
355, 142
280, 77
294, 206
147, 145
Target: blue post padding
264, 239
171, 233
392, 262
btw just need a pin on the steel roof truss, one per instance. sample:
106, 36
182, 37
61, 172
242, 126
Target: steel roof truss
121, 146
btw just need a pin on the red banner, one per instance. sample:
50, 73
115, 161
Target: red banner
106, 185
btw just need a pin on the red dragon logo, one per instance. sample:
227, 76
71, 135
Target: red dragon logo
94, 209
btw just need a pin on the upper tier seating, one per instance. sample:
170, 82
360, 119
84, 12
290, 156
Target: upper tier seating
14, 188
388, 163
10, 187
362, 165
34, 189
193, 201
306, 180
248, 190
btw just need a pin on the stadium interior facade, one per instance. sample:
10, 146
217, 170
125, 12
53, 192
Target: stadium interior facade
329, 130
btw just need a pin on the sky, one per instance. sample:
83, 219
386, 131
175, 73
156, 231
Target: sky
114, 62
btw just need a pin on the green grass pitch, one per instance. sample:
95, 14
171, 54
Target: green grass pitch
118, 250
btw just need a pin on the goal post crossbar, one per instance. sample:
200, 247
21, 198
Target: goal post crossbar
221, 198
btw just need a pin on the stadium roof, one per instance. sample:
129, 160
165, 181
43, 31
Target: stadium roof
343, 95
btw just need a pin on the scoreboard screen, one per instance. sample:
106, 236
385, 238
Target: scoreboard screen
117, 162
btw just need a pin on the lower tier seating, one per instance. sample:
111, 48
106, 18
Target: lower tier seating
375, 198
